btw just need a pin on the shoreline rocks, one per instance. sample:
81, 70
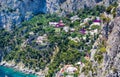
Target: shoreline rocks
21, 67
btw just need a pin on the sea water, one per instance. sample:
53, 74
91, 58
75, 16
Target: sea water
10, 72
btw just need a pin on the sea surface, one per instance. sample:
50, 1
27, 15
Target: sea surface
10, 72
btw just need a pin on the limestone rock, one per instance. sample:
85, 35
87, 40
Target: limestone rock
112, 65
114, 38
13, 12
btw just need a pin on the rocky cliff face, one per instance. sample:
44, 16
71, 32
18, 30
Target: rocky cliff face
113, 49
110, 59
64, 6
110, 65
13, 12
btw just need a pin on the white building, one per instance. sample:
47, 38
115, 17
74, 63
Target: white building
97, 21
78, 63
72, 29
42, 39
84, 37
53, 23
87, 19
71, 70
74, 18
92, 32
66, 29
31, 33
76, 39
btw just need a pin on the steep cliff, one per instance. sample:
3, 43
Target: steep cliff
112, 64
13, 12
113, 49
64, 6
105, 60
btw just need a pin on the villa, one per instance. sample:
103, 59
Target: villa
97, 21
69, 69
66, 29
42, 39
59, 26
74, 18
92, 32
53, 23
72, 29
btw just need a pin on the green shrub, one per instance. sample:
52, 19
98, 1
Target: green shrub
102, 49
109, 9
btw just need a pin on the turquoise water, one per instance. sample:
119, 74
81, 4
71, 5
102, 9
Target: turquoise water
9, 72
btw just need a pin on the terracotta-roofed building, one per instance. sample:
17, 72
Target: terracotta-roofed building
69, 69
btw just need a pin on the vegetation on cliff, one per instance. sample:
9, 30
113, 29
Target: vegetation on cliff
58, 49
